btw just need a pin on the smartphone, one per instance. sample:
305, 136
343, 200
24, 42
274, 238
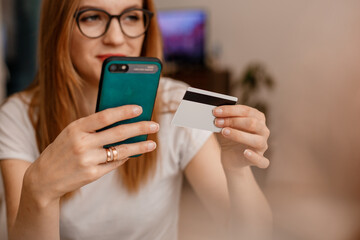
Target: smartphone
129, 81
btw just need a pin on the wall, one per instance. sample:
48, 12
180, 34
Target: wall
312, 48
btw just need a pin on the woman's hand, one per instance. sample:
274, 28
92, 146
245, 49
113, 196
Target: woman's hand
244, 136
77, 156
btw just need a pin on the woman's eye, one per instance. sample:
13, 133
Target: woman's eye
132, 18
90, 18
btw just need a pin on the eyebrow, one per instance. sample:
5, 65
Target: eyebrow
96, 7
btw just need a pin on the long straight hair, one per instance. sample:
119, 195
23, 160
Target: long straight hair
57, 84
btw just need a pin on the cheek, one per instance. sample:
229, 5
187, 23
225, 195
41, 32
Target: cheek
81, 55
137, 45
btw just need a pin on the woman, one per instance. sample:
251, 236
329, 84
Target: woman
70, 190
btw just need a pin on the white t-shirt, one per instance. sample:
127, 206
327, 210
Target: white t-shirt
104, 209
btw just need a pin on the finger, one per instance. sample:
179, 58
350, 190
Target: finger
254, 141
256, 159
109, 166
109, 116
126, 150
238, 111
247, 124
122, 132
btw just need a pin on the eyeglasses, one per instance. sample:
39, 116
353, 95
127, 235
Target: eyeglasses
94, 23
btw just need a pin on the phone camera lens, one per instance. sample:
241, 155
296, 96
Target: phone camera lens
124, 67
112, 68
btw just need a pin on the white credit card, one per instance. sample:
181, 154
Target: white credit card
195, 109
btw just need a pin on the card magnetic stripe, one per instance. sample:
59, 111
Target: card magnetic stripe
205, 99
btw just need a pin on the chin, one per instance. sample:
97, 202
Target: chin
92, 78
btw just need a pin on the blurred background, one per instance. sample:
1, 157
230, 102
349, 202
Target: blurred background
295, 60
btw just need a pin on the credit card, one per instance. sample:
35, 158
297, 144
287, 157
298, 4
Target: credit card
195, 109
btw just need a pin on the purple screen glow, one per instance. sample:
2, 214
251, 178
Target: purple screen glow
183, 34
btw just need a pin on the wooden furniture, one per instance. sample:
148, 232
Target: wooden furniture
203, 78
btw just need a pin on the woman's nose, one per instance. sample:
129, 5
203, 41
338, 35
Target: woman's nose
114, 35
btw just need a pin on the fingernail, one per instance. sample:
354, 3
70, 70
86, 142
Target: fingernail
226, 132
137, 110
218, 111
247, 153
219, 121
151, 145
154, 127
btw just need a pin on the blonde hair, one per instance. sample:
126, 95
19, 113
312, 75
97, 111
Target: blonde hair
57, 83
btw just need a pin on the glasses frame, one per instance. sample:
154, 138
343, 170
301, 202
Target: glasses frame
146, 12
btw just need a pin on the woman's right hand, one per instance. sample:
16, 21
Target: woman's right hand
77, 157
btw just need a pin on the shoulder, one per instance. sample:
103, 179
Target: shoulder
16, 105
169, 83
17, 135
181, 143
172, 89
14, 110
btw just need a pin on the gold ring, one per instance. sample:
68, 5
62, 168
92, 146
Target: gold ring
115, 153
109, 155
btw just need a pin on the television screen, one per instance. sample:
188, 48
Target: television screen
183, 34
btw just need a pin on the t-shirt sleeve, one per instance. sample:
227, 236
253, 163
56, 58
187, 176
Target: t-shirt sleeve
17, 136
191, 142
184, 143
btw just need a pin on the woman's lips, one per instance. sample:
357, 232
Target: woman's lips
105, 56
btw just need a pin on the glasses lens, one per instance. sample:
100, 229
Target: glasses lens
134, 23
92, 23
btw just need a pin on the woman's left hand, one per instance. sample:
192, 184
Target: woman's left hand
244, 136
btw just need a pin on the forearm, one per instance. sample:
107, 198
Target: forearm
251, 216
36, 219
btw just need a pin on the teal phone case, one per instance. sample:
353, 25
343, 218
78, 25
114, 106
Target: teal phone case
125, 88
